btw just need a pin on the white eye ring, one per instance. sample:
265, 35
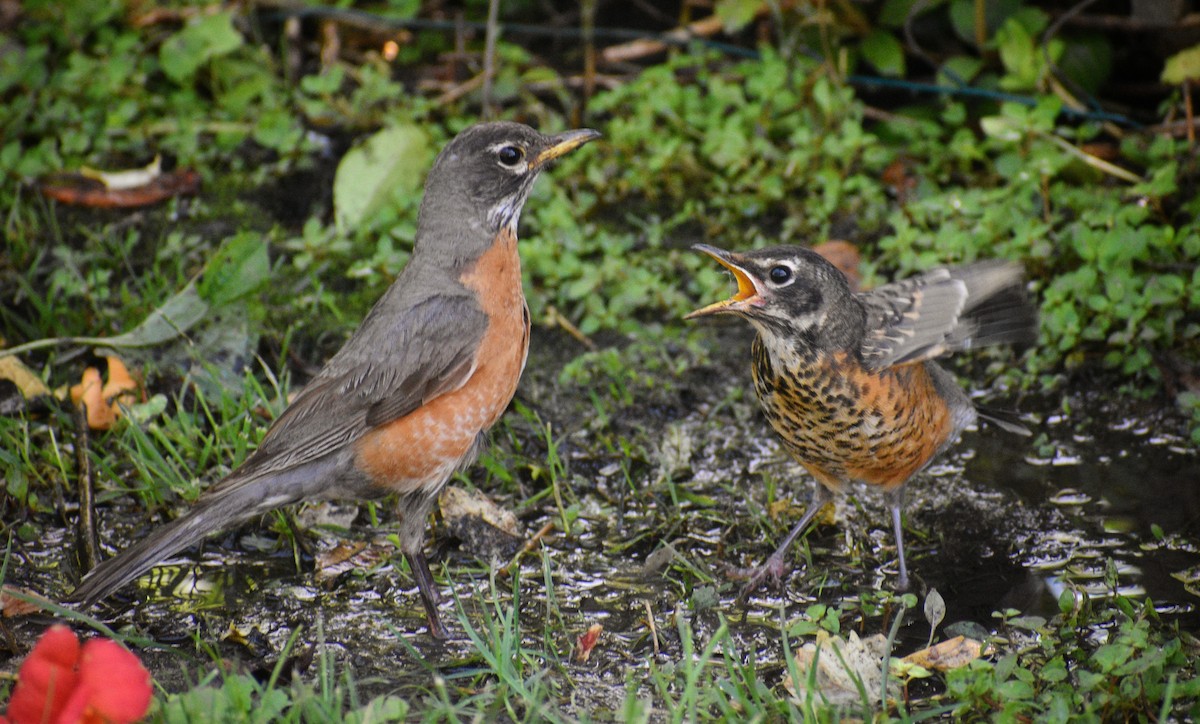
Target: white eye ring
781, 275
510, 156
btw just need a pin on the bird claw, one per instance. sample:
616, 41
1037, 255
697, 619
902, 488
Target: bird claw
774, 568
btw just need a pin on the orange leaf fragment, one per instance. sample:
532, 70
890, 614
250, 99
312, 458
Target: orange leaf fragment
104, 401
90, 393
587, 642
121, 388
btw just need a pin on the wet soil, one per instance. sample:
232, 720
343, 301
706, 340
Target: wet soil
671, 474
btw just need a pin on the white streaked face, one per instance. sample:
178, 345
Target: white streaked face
511, 157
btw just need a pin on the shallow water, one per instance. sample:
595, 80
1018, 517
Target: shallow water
668, 474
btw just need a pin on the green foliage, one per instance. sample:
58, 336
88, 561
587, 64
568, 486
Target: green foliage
242, 698
1116, 269
1135, 670
693, 151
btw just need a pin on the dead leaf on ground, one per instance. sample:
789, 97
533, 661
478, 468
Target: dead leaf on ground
587, 642
346, 556
12, 606
125, 189
29, 384
105, 400
841, 664
486, 529
950, 654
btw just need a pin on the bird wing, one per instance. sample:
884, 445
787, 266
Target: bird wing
392, 365
946, 310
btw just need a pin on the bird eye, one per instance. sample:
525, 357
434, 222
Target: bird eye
510, 155
780, 274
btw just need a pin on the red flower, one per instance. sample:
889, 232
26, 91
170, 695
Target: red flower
63, 683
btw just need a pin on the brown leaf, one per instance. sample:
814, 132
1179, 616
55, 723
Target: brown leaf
841, 665
12, 606
844, 256
950, 654
79, 190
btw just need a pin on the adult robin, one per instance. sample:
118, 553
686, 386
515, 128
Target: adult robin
847, 379
406, 402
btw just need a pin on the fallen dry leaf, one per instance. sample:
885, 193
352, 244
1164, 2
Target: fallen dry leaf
587, 642
80, 190
457, 502
104, 401
90, 392
837, 682
29, 384
12, 606
950, 654
347, 556
486, 529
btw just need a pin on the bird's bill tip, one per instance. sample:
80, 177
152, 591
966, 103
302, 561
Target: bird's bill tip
564, 143
747, 292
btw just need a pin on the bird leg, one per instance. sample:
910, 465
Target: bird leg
429, 594
776, 564
895, 501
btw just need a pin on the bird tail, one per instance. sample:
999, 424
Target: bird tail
250, 491
1004, 420
220, 508
997, 309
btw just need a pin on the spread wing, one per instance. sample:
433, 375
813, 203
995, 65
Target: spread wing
423, 353
946, 310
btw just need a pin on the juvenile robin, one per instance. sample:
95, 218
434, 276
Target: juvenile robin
406, 402
847, 379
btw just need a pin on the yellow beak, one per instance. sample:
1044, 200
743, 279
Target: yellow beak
564, 143
747, 295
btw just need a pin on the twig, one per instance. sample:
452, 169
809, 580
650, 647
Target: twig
651, 626
462, 89
588, 10
555, 317
89, 542
489, 55
643, 47
528, 547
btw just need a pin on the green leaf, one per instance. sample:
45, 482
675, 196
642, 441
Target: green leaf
736, 14
1001, 128
894, 13
959, 70
200, 41
935, 611
1184, 65
882, 50
239, 267
173, 318
374, 173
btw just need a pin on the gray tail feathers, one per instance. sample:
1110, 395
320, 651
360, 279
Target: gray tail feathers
1004, 420
998, 309
220, 508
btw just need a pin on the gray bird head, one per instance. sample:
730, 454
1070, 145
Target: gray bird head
481, 180
784, 288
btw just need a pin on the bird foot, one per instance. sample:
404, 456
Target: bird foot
774, 568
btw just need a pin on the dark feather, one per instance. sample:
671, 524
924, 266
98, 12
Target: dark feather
944, 311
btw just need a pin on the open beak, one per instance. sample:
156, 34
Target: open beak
748, 294
564, 143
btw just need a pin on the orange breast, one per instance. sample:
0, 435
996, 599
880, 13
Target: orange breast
423, 449
915, 425
844, 422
